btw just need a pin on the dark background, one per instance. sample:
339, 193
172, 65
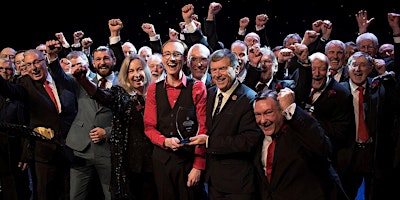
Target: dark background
27, 24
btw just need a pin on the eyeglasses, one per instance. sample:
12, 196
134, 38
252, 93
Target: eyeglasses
360, 65
198, 60
177, 55
35, 63
6, 68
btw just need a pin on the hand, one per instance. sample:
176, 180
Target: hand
243, 23
115, 26
214, 9
86, 42
198, 140
97, 134
172, 143
261, 20
285, 54
52, 48
78, 35
22, 165
380, 66
310, 36
193, 177
173, 34
78, 71
149, 29
187, 12
255, 54
60, 36
326, 29
393, 20
362, 21
285, 98
316, 26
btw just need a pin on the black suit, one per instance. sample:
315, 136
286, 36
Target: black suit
51, 157
301, 162
233, 136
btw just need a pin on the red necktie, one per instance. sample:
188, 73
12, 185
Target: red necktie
270, 158
313, 91
103, 82
51, 94
362, 127
333, 72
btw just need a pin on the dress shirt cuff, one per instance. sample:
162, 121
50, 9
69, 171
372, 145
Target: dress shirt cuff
155, 38
207, 141
114, 40
76, 45
396, 39
258, 28
289, 111
190, 28
242, 32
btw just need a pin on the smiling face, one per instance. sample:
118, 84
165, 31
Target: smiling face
173, 58
35, 65
268, 116
103, 62
359, 68
136, 75
222, 73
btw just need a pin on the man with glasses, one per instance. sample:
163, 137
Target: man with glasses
175, 110
57, 113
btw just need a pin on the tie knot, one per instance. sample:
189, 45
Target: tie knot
360, 88
333, 72
103, 82
220, 96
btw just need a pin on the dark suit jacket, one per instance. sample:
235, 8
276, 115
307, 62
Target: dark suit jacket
233, 136
43, 113
378, 109
301, 162
334, 111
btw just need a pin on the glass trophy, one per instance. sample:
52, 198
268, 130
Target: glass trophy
186, 124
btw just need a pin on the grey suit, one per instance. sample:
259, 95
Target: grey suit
89, 157
96, 155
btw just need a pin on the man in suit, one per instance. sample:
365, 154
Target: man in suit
92, 125
301, 158
197, 61
370, 156
232, 131
331, 104
51, 157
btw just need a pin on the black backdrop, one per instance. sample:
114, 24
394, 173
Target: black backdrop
25, 25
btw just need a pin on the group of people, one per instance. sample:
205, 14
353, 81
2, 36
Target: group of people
190, 119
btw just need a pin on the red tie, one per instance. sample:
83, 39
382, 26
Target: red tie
270, 158
362, 127
103, 82
313, 91
333, 72
51, 94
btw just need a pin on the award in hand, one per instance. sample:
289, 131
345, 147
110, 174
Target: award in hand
186, 124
